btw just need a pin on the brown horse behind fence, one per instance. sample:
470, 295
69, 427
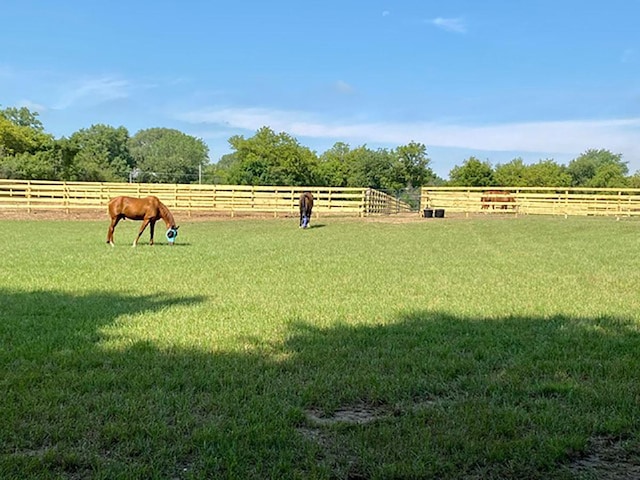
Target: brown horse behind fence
148, 209
500, 197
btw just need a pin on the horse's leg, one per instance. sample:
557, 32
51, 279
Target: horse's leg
145, 222
112, 227
152, 226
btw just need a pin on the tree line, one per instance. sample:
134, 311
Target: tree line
162, 155
100, 153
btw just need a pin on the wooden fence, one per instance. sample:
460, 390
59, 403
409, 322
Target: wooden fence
33, 195
533, 200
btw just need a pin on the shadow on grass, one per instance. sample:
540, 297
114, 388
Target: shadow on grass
440, 396
142, 244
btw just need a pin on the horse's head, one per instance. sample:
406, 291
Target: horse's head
172, 233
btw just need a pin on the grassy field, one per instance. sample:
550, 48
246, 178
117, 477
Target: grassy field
457, 348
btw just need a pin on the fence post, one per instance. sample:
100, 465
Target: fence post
28, 196
65, 197
275, 208
233, 201
466, 214
364, 207
619, 209
253, 196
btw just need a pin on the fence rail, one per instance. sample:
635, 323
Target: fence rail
533, 200
232, 199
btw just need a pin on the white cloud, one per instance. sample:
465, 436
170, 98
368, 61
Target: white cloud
566, 137
456, 25
93, 91
343, 87
33, 106
245, 118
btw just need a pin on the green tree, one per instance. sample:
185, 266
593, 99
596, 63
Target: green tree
29, 166
547, 173
24, 146
23, 117
472, 173
334, 164
164, 155
13, 138
512, 173
413, 165
634, 180
268, 158
218, 173
55, 162
584, 169
17, 137
102, 154
373, 168
611, 175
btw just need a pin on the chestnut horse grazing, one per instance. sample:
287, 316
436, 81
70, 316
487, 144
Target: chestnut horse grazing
501, 197
306, 205
148, 209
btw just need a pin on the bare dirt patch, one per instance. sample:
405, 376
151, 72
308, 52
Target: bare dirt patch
357, 414
605, 459
334, 453
82, 215
608, 459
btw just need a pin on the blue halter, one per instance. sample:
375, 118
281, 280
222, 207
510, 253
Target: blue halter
172, 233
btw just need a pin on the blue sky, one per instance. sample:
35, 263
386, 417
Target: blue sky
496, 79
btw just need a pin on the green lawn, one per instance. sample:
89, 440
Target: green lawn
457, 348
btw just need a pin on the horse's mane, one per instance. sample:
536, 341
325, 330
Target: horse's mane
166, 214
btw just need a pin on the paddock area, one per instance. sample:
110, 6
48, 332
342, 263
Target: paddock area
481, 347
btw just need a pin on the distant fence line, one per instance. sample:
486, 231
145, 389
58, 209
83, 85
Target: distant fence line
533, 200
33, 195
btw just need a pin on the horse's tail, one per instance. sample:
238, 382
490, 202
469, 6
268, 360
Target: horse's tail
306, 203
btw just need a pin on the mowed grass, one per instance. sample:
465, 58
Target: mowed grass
442, 348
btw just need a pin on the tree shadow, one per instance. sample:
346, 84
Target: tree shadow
513, 397
439, 396
50, 319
